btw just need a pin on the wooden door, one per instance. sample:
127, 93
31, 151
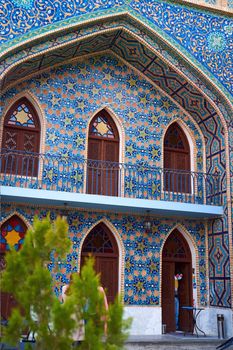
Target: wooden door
176, 260
107, 266
176, 161
111, 171
185, 285
94, 168
101, 244
168, 296
103, 156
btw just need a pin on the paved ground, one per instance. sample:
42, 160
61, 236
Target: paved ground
173, 341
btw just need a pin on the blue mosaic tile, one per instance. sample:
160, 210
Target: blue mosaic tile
85, 85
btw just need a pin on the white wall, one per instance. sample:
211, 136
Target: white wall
147, 320
208, 321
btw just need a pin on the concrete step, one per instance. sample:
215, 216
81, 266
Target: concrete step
172, 342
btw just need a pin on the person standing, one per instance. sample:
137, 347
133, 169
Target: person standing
101, 290
177, 278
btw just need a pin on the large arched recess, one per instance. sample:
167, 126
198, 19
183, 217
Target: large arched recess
165, 66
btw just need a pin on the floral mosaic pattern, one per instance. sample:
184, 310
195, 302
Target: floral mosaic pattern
19, 17
191, 33
27, 4
142, 260
201, 34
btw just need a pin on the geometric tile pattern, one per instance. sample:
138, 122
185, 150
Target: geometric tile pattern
104, 81
205, 36
70, 95
142, 259
155, 69
219, 265
101, 42
151, 66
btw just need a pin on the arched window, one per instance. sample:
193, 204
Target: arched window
176, 160
103, 156
12, 236
101, 244
21, 139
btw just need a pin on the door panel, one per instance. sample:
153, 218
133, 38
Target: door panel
110, 175
103, 175
108, 269
176, 157
101, 244
174, 180
185, 297
168, 296
30, 162
94, 168
10, 142
20, 141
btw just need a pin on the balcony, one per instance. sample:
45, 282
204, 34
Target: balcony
56, 179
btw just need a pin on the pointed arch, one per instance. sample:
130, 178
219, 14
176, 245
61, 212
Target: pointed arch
120, 247
194, 254
103, 155
177, 160
33, 101
22, 217
22, 133
176, 260
120, 129
13, 230
191, 243
191, 140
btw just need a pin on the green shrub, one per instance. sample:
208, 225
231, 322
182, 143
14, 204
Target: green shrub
28, 279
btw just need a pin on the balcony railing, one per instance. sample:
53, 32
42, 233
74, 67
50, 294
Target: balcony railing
78, 175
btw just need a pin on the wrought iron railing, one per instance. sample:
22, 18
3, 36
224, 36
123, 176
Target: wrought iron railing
75, 174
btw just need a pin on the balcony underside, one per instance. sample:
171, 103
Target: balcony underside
108, 203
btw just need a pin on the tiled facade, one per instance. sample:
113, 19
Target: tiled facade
212, 33
147, 69
84, 88
142, 265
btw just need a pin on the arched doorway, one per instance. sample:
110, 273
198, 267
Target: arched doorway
21, 139
12, 236
176, 259
101, 244
103, 156
176, 160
